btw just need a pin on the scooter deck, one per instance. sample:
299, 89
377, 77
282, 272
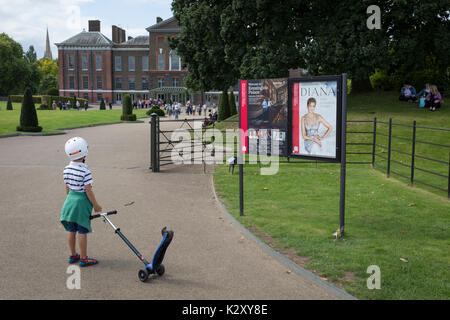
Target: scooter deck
161, 251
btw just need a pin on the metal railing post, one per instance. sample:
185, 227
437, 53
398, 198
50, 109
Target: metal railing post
154, 143
413, 153
389, 148
448, 187
374, 141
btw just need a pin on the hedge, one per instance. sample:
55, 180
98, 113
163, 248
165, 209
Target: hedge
46, 99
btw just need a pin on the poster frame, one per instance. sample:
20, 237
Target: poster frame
339, 115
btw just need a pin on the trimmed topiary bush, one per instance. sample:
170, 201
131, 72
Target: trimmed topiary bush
232, 104
224, 110
157, 110
9, 104
127, 109
28, 115
53, 92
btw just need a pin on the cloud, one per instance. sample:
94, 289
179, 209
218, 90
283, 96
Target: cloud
26, 21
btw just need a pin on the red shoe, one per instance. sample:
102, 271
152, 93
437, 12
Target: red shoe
88, 262
75, 258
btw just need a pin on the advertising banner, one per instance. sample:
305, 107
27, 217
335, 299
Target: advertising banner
264, 115
316, 118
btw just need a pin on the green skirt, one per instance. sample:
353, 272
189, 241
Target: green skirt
77, 208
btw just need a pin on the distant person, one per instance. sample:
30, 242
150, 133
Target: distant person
54, 105
60, 105
78, 105
408, 93
434, 99
110, 106
85, 106
425, 91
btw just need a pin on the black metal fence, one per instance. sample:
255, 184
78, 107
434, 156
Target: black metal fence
404, 150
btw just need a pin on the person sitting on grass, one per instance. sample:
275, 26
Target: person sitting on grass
77, 208
424, 91
433, 99
408, 93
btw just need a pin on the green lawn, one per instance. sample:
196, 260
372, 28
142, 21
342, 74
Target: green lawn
386, 220
51, 120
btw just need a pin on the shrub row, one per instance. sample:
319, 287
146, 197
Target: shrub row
46, 99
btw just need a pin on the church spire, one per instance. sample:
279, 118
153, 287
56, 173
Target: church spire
48, 51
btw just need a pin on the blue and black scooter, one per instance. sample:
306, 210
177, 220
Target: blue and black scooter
150, 268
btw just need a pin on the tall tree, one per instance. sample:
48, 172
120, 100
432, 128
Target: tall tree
13, 67
261, 37
30, 55
200, 45
49, 74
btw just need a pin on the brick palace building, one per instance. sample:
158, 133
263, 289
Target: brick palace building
93, 67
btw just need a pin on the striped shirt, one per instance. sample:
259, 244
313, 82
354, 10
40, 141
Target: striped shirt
76, 176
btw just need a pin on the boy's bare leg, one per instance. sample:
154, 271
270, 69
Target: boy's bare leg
82, 243
71, 239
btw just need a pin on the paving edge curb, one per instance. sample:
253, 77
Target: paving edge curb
309, 276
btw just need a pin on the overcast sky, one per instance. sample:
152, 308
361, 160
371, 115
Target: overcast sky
26, 21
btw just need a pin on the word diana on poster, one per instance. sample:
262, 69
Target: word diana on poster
314, 119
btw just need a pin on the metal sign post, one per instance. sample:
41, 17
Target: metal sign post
343, 155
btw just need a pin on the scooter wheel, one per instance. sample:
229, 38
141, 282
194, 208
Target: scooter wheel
143, 275
160, 270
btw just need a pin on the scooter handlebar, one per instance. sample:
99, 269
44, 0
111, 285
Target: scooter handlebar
101, 214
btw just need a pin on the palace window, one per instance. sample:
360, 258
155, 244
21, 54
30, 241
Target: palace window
145, 63
98, 63
131, 84
160, 60
118, 63
174, 61
71, 65
118, 83
85, 83
144, 83
84, 62
131, 63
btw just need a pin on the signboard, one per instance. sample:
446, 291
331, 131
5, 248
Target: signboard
315, 118
264, 115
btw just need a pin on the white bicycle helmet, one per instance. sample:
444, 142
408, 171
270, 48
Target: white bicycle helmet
76, 148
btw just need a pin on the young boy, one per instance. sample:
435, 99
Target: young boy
80, 200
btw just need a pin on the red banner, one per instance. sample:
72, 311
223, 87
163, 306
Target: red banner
243, 116
295, 119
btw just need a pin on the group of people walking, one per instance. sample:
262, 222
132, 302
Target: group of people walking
429, 97
143, 104
175, 109
67, 105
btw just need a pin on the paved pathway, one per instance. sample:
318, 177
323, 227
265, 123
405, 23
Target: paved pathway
209, 257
